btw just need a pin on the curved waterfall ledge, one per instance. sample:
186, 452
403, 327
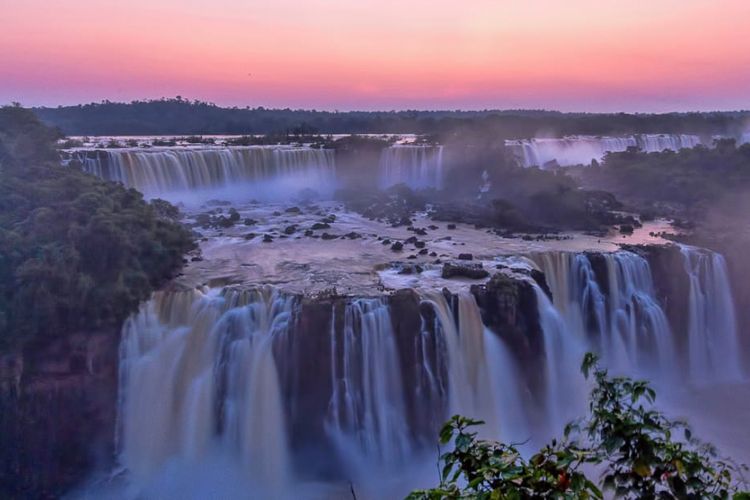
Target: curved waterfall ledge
288, 387
157, 171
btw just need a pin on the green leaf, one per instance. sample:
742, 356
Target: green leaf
641, 468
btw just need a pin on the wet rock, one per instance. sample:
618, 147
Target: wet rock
328, 236
320, 225
397, 247
203, 219
218, 203
465, 256
353, 235
249, 222
419, 244
290, 229
386, 241
471, 271
451, 226
411, 269
224, 222
276, 213
250, 236
293, 210
267, 238
309, 232
411, 240
423, 251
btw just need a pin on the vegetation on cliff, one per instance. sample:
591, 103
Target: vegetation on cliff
76, 252
638, 452
691, 179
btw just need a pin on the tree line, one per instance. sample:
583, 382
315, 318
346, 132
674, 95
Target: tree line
181, 116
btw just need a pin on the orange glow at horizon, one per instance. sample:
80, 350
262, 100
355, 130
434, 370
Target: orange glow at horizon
335, 54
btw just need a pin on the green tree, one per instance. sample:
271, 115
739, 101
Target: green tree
634, 445
76, 253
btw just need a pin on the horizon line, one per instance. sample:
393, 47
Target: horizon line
355, 110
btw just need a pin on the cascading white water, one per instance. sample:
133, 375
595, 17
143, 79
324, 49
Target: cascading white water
625, 322
367, 416
653, 143
639, 337
417, 166
713, 344
565, 392
199, 384
469, 388
583, 149
181, 169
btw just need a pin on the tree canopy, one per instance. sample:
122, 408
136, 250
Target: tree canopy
76, 252
182, 116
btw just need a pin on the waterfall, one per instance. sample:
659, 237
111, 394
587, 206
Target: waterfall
463, 334
713, 344
565, 391
221, 380
654, 143
367, 417
583, 149
417, 166
621, 318
639, 337
166, 170
199, 379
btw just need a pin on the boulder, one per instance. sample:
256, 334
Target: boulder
471, 271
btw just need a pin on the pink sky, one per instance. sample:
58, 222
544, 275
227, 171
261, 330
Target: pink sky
591, 55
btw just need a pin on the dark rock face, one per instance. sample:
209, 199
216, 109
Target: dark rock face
509, 308
57, 414
423, 409
471, 271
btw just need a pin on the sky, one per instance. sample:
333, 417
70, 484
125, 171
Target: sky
569, 55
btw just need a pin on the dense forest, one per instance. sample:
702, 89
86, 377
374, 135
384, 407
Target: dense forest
181, 116
693, 178
76, 252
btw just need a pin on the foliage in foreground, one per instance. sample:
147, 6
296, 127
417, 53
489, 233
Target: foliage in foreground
76, 252
637, 450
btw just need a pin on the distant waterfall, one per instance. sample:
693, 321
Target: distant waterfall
713, 344
366, 416
198, 377
180, 169
417, 166
582, 149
